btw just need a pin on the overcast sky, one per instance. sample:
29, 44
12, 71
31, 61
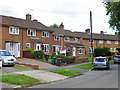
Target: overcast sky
73, 13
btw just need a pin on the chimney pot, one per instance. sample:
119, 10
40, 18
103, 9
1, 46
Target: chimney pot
61, 25
35, 20
87, 30
101, 32
28, 17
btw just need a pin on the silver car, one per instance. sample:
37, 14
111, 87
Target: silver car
0, 62
7, 58
101, 62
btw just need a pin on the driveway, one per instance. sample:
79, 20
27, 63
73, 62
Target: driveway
42, 65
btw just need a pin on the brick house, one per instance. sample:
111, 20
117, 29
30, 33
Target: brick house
18, 34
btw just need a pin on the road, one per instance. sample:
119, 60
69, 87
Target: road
91, 79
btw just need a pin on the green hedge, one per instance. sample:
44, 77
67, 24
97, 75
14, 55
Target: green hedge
67, 59
38, 54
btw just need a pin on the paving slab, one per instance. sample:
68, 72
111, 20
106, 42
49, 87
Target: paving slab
43, 76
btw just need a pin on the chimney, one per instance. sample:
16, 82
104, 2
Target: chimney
101, 32
87, 30
28, 17
116, 33
35, 20
61, 25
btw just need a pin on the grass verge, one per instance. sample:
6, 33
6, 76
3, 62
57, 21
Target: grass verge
18, 79
88, 66
66, 72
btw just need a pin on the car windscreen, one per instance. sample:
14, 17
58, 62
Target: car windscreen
117, 57
100, 60
5, 53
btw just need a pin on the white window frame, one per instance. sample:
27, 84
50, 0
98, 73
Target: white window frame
116, 42
114, 49
47, 48
75, 39
108, 42
27, 44
14, 29
68, 38
57, 38
39, 47
90, 41
101, 41
30, 32
90, 50
111, 49
68, 48
81, 50
47, 34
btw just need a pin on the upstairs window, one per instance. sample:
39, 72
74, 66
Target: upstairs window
31, 32
100, 41
67, 39
13, 30
108, 42
57, 38
75, 39
116, 42
45, 34
90, 41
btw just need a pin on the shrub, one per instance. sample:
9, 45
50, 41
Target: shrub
67, 59
38, 54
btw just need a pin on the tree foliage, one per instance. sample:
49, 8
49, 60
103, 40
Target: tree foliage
113, 10
102, 51
55, 26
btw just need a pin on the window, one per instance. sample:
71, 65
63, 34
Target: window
90, 50
31, 32
57, 38
59, 48
90, 41
116, 42
114, 49
27, 45
68, 49
38, 47
67, 39
80, 50
108, 42
75, 39
111, 49
45, 34
13, 30
100, 41
46, 48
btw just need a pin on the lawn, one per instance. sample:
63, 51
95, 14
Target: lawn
18, 79
88, 66
66, 72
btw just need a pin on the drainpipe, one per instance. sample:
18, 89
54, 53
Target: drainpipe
22, 42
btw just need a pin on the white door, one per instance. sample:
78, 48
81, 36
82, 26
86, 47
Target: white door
74, 51
18, 50
38, 47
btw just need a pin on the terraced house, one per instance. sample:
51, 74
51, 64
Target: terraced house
19, 34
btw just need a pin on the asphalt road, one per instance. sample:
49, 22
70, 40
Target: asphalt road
91, 79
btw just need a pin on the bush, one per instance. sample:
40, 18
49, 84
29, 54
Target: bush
102, 51
38, 54
67, 59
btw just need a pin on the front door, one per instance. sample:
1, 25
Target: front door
74, 51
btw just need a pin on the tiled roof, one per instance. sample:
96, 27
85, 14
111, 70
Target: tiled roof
69, 44
12, 21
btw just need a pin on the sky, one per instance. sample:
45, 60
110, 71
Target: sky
75, 14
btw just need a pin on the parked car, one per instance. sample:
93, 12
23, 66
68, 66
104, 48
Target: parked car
7, 58
101, 62
117, 59
0, 62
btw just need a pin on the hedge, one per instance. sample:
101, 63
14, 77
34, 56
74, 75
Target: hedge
67, 59
38, 54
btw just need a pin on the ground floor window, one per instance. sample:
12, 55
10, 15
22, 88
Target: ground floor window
80, 50
27, 45
46, 48
90, 50
68, 49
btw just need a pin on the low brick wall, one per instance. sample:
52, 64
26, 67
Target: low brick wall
81, 60
27, 54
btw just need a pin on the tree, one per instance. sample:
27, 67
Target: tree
113, 10
55, 26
